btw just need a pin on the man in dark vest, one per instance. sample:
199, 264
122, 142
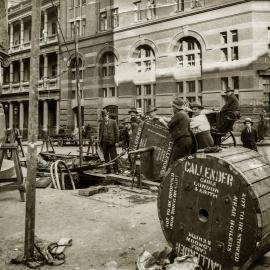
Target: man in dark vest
108, 137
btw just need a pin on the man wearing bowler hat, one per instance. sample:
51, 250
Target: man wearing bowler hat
180, 130
108, 137
249, 135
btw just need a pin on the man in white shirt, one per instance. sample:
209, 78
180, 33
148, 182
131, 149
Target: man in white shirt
200, 126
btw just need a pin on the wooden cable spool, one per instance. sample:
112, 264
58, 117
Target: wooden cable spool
152, 133
217, 207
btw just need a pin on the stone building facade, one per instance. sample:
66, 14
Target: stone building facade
143, 53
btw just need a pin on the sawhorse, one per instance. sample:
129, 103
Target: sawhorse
136, 171
12, 147
48, 143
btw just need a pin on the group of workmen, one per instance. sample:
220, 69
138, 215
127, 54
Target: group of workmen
189, 128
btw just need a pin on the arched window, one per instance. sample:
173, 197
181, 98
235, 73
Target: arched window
73, 68
188, 53
107, 65
144, 58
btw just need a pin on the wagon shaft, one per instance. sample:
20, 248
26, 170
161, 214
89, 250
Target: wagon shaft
216, 207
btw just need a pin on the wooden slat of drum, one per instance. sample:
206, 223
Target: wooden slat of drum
231, 151
264, 202
261, 188
241, 156
266, 221
251, 164
255, 175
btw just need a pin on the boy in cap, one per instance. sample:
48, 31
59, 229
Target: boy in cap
249, 135
180, 130
133, 115
108, 137
200, 127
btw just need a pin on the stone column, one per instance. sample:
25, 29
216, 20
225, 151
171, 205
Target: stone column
45, 31
11, 35
58, 69
22, 32
45, 73
45, 116
197, 90
57, 116
21, 116
10, 74
10, 115
21, 71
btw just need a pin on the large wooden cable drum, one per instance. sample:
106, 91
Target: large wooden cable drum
217, 207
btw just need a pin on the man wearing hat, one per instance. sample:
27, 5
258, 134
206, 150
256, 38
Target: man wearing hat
133, 115
231, 106
180, 130
152, 113
200, 126
249, 135
108, 137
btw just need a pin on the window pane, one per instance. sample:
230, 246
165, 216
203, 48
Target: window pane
147, 88
111, 70
235, 82
179, 61
104, 92
191, 86
191, 60
234, 34
180, 86
139, 90
224, 38
234, 52
224, 54
147, 65
224, 83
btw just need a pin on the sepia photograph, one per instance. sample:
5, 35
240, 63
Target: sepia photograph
135, 134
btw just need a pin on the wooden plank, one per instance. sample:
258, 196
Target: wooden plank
250, 164
257, 174
241, 156
93, 190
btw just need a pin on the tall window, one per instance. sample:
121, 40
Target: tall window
145, 58
137, 11
224, 37
145, 97
72, 27
224, 83
234, 35
107, 65
224, 54
190, 90
150, 9
103, 20
71, 3
73, 69
229, 41
115, 18
83, 26
109, 91
180, 5
195, 3
188, 53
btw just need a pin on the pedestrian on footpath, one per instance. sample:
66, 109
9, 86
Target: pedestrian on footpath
249, 135
108, 137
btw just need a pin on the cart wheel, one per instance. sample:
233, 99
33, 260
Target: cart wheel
60, 141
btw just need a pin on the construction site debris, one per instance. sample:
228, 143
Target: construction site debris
166, 260
93, 190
